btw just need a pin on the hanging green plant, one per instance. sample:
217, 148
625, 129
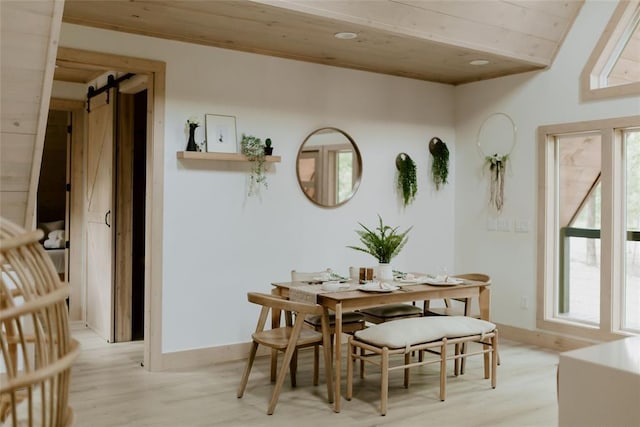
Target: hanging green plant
440, 165
407, 180
253, 148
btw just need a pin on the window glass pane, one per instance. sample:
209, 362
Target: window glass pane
578, 216
631, 291
624, 67
345, 175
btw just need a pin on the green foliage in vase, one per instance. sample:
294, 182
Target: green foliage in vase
384, 242
407, 178
253, 148
440, 165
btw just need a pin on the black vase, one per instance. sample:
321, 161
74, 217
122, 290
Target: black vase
191, 144
268, 151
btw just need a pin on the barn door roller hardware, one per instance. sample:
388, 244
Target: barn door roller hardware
111, 82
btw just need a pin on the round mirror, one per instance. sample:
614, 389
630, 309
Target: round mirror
329, 167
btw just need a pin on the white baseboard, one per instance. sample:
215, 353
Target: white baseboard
227, 353
543, 339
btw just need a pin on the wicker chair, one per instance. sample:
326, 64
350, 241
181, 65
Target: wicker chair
37, 348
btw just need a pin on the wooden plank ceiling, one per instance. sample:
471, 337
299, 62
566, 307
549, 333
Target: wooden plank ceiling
420, 39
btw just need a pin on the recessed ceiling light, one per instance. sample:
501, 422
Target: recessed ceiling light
479, 62
345, 35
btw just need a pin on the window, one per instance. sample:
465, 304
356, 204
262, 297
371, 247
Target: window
613, 69
631, 290
589, 221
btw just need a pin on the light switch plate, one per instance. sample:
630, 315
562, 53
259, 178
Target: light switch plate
504, 224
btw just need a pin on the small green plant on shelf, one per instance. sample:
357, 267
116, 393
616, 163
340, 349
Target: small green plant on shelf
253, 148
407, 178
268, 148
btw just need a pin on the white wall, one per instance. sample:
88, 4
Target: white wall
532, 100
219, 243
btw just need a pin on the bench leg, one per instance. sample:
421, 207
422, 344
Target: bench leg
443, 370
384, 380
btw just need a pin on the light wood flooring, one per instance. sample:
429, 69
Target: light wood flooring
110, 388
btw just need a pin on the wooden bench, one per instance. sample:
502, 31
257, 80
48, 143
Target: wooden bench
425, 334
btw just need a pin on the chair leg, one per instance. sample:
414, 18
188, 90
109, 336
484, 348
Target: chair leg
316, 363
443, 370
274, 364
362, 353
293, 367
286, 360
494, 359
456, 361
351, 350
463, 361
407, 360
247, 369
384, 380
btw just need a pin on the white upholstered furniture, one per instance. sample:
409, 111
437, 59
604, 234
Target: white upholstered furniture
599, 385
379, 343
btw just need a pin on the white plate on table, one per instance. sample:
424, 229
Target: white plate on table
439, 282
375, 287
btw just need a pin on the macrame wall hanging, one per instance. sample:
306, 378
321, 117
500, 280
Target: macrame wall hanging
496, 140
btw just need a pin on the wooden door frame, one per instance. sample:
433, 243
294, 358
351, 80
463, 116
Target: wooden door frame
153, 360
75, 272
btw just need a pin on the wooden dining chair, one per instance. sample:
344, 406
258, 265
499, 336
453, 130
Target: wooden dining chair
351, 321
460, 307
388, 312
287, 339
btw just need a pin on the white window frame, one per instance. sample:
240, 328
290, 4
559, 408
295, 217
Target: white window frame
613, 229
592, 75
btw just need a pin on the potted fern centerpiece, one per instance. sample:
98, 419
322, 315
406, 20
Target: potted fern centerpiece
384, 243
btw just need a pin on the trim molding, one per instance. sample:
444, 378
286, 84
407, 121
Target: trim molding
227, 353
544, 339
209, 355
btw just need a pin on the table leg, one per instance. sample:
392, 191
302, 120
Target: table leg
338, 356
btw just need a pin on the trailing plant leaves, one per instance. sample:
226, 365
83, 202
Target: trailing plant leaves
440, 164
253, 148
497, 167
407, 178
384, 242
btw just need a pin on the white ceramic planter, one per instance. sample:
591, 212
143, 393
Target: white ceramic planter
385, 272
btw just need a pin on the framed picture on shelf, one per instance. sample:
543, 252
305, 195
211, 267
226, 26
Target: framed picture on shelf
221, 134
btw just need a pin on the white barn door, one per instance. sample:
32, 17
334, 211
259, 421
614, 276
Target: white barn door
100, 217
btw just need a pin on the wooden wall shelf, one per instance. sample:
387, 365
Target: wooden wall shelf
227, 157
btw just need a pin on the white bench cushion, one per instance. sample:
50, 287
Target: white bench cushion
406, 332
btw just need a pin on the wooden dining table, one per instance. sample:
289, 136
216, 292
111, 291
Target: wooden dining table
343, 301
